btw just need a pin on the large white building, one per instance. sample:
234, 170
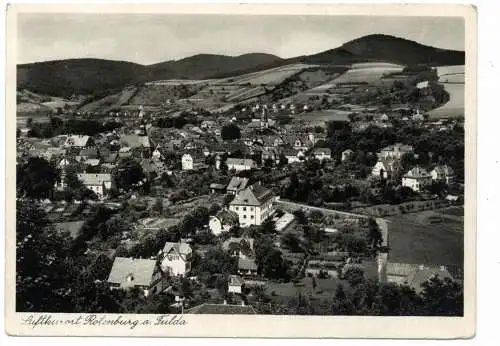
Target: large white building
444, 174
176, 258
416, 179
395, 152
253, 205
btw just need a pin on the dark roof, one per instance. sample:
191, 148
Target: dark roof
222, 309
237, 183
246, 264
254, 195
140, 270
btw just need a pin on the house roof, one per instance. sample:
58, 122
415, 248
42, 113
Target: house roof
235, 280
92, 162
398, 147
246, 264
221, 309
136, 141
139, 270
254, 195
242, 162
94, 178
326, 151
89, 152
444, 169
237, 183
417, 172
181, 249
77, 141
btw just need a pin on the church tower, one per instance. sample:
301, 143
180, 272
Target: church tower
264, 119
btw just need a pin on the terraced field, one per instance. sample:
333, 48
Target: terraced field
366, 73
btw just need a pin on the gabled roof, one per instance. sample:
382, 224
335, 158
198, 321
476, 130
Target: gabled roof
182, 249
237, 183
94, 178
444, 169
242, 162
130, 272
417, 172
254, 195
325, 151
246, 264
89, 152
235, 280
77, 141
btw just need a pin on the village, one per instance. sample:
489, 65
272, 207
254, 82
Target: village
244, 211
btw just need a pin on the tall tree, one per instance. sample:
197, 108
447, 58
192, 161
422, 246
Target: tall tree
36, 178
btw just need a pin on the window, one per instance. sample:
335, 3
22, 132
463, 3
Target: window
244, 208
236, 208
244, 216
251, 216
251, 208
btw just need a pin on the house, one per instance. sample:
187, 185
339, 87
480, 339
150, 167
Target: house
416, 179
223, 221
247, 266
385, 168
144, 274
89, 153
235, 284
236, 184
157, 155
322, 154
79, 141
240, 164
293, 155
347, 155
176, 258
217, 188
192, 161
443, 173
100, 183
135, 141
253, 205
395, 151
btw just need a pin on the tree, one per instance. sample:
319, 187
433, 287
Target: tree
129, 174
300, 216
374, 235
354, 276
230, 132
269, 259
443, 297
36, 178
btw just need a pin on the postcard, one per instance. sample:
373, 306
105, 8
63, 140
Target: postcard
277, 171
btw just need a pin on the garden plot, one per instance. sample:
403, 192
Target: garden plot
367, 73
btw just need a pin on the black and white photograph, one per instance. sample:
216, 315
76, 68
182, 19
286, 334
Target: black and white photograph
181, 164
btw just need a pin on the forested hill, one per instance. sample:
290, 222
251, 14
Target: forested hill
94, 76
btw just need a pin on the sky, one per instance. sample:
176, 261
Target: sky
153, 38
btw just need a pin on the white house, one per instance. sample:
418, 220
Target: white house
78, 141
347, 154
176, 258
145, 274
100, 183
417, 178
240, 164
293, 155
383, 169
443, 173
395, 151
323, 154
235, 284
187, 162
222, 221
253, 205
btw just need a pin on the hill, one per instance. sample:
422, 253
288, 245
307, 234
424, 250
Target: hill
103, 77
386, 48
98, 77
